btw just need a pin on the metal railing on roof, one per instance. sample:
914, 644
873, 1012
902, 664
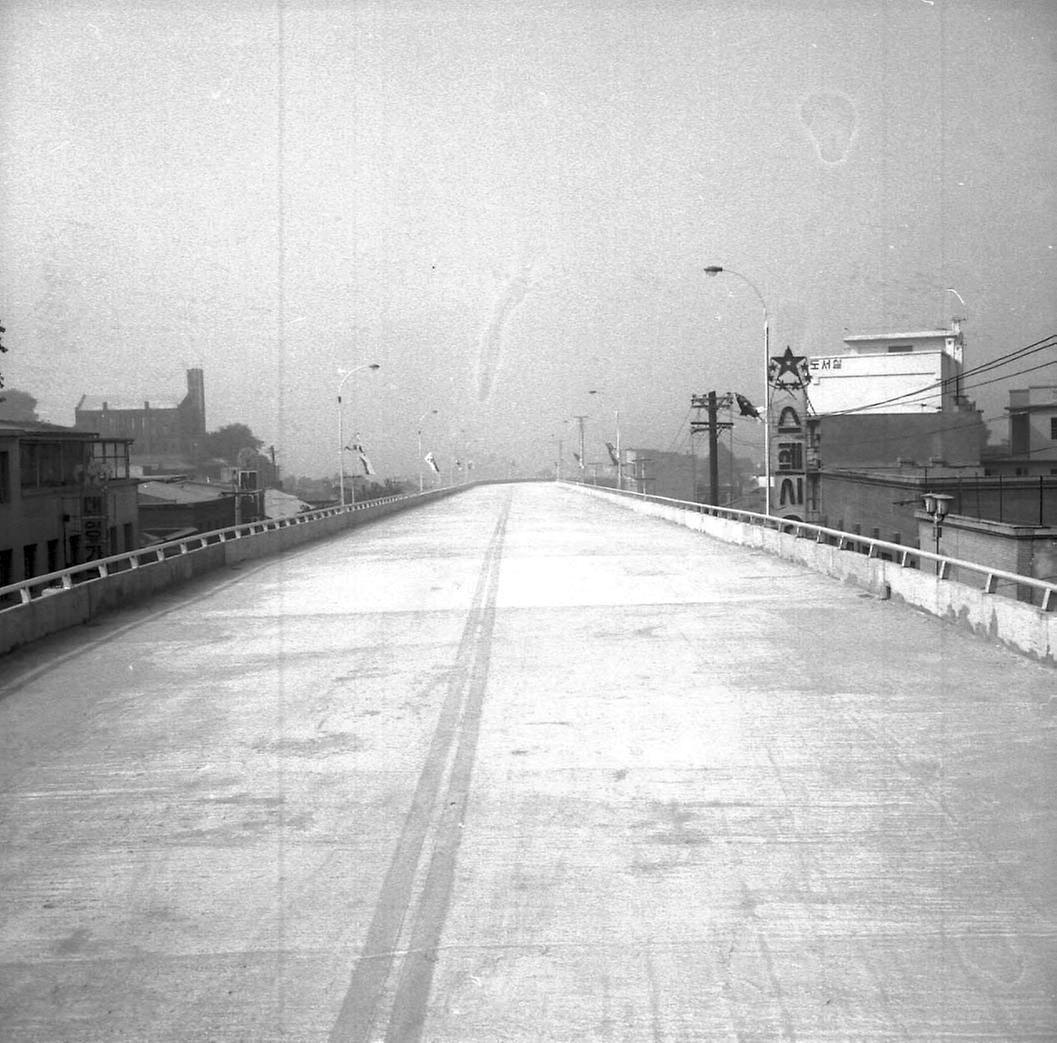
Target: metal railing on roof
991, 580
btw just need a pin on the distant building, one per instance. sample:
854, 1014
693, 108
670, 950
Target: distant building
684, 476
66, 497
1032, 433
167, 435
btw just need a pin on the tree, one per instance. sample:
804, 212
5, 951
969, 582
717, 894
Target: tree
18, 405
226, 442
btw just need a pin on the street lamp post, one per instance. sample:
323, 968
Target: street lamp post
341, 432
936, 506
716, 270
427, 413
620, 459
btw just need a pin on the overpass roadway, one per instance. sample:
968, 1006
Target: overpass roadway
520, 765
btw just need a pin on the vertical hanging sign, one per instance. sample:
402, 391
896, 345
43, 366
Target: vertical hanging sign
94, 514
789, 376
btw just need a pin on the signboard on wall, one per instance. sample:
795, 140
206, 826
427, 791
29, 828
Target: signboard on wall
899, 382
789, 377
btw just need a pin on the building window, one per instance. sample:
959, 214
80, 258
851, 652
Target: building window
1053, 428
29, 561
111, 459
50, 463
53, 555
5, 478
129, 536
6, 557
899, 349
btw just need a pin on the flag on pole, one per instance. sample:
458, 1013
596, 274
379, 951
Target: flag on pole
432, 461
578, 460
746, 408
613, 453
358, 449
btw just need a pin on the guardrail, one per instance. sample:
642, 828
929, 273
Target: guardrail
51, 583
991, 581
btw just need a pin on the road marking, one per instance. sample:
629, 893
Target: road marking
437, 811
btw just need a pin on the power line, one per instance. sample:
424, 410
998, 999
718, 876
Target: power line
1013, 356
1019, 373
676, 440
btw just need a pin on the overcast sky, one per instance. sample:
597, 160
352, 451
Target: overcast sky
508, 204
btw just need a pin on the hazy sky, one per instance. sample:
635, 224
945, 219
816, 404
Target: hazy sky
507, 204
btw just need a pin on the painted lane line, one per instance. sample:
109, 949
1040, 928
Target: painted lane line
444, 773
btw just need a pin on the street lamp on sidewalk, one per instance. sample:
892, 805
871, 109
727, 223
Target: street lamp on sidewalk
341, 430
428, 412
714, 269
937, 506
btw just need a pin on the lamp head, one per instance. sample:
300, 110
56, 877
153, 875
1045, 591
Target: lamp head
713, 269
943, 503
930, 503
374, 365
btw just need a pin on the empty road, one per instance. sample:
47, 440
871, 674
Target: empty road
522, 765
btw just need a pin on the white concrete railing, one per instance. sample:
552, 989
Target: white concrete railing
906, 557
50, 583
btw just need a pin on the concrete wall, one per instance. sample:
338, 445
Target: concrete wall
1026, 550
1020, 626
879, 440
56, 611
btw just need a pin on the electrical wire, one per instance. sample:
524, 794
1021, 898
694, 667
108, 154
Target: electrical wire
676, 440
1049, 341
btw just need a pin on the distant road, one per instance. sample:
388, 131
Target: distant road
522, 765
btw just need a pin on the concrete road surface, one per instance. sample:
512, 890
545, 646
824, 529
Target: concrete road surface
521, 765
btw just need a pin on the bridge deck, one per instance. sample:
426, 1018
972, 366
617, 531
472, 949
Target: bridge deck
520, 765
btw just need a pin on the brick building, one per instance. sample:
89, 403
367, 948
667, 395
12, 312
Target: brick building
167, 434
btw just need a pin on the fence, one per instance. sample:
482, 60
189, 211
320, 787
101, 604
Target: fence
1015, 500
993, 604
32, 608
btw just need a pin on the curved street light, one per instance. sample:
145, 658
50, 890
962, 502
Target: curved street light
341, 432
714, 269
620, 459
418, 424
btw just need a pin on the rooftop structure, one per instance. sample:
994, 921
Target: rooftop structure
915, 372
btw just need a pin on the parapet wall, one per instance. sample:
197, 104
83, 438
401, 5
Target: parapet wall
1022, 627
85, 600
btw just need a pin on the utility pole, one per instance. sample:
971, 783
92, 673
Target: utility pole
711, 403
583, 462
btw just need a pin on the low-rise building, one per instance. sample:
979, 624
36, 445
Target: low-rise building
178, 505
1032, 433
66, 497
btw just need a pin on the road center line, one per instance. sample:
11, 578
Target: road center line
457, 729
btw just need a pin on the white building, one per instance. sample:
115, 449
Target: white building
1033, 429
918, 372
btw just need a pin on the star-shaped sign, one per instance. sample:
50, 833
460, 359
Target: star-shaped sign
792, 367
